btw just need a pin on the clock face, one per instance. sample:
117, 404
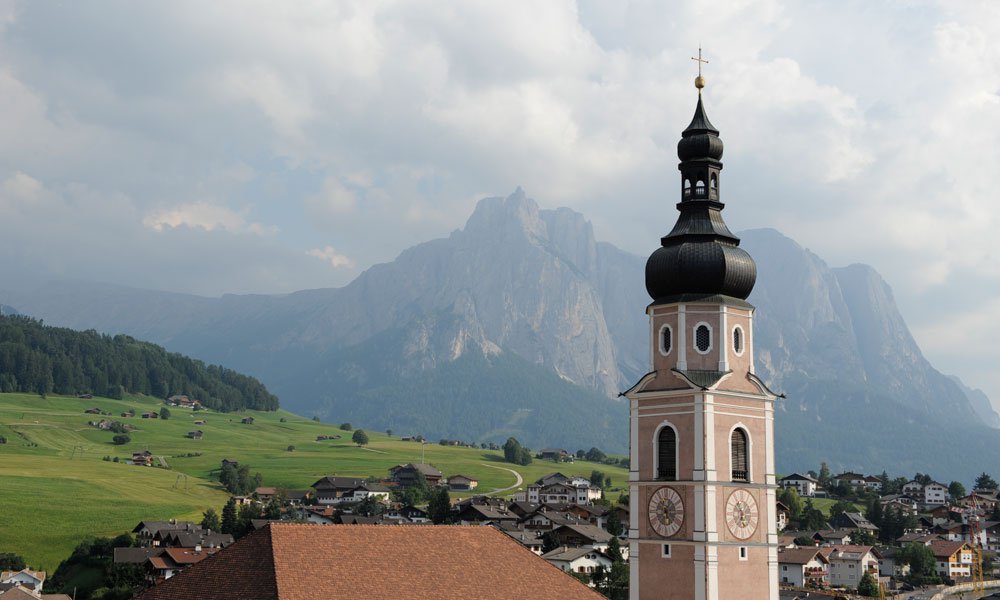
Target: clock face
666, 511
741, 514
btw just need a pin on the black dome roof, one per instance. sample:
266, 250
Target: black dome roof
700, 257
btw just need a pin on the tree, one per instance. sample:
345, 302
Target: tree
840, 507
597, 478
875, 513
812, 517
316, 418
623, 499
868, 586
164, 413
863, 537
272, 511
824, 475
369, 507
248, 512
956, 490
388, 432
920, 558
360, 437
439, 506
121, 439
614, 525
514, 452
290, 448
11, 562
985, 482
346, 426
550, 541
210, 520
595, 455
789, 496
230, 517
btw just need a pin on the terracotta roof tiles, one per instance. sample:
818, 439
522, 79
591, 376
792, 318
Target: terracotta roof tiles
294, 561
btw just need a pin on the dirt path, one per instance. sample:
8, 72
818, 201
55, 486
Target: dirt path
516, 485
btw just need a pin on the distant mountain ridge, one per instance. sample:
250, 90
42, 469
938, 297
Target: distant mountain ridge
519, 286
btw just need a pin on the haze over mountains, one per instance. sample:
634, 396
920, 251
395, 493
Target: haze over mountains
521, 323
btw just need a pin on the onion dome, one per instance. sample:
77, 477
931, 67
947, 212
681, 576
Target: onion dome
700, 258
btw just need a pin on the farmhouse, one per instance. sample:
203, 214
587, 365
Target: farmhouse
556, 454
195, 435
803, 566
142, 459
183, 402
462, 483
556, 488
405, 562
952, 559
247, 420
334, 490
408, 474
578, 560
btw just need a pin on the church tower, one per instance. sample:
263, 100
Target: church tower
702, 484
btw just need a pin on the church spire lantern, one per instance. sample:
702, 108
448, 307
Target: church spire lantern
700, 257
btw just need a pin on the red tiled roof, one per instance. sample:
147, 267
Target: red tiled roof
287, 561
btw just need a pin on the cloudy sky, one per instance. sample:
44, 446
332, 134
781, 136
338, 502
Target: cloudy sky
239, 146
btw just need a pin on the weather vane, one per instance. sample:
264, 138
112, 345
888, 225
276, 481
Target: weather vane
699, 81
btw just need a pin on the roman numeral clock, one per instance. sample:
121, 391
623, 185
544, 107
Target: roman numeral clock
666, 511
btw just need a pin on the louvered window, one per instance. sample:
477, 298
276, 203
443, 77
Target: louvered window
666, 448
739, 460
702, 338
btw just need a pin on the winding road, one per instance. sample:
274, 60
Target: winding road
516, 485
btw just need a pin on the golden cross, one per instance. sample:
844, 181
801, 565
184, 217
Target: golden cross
700, 60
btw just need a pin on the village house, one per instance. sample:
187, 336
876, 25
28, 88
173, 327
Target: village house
334, 490
172, 560
367, 490
578, 560
142, 459
27, 579
408, 474
474, 513
150, 415
462, 483
781, 515
849, 563
889, 564
584, 535
196, 435
952, 559
929, 496
853, 520
247, 420
532, 540
93, 411
556, 488
183, 402
294, 561
556, 454
803, 567
264, 494
805, 485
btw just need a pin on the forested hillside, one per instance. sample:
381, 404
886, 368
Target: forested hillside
40, 359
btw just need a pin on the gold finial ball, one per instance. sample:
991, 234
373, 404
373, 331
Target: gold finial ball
699, 82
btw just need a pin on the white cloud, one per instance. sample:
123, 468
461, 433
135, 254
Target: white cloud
330, 255
867, 131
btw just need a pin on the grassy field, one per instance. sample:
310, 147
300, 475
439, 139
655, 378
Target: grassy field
55, 487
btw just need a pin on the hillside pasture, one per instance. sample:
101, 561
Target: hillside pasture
55, 487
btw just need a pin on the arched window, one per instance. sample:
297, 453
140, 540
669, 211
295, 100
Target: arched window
699, 188
739, 457
714, 182
666, 339
687, 187
702, 338
738, 340
666, 454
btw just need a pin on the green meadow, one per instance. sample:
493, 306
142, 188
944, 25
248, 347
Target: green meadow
55, 487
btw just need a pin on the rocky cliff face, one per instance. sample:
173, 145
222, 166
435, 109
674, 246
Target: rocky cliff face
522, 294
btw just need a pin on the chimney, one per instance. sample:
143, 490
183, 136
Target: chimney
197, 548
